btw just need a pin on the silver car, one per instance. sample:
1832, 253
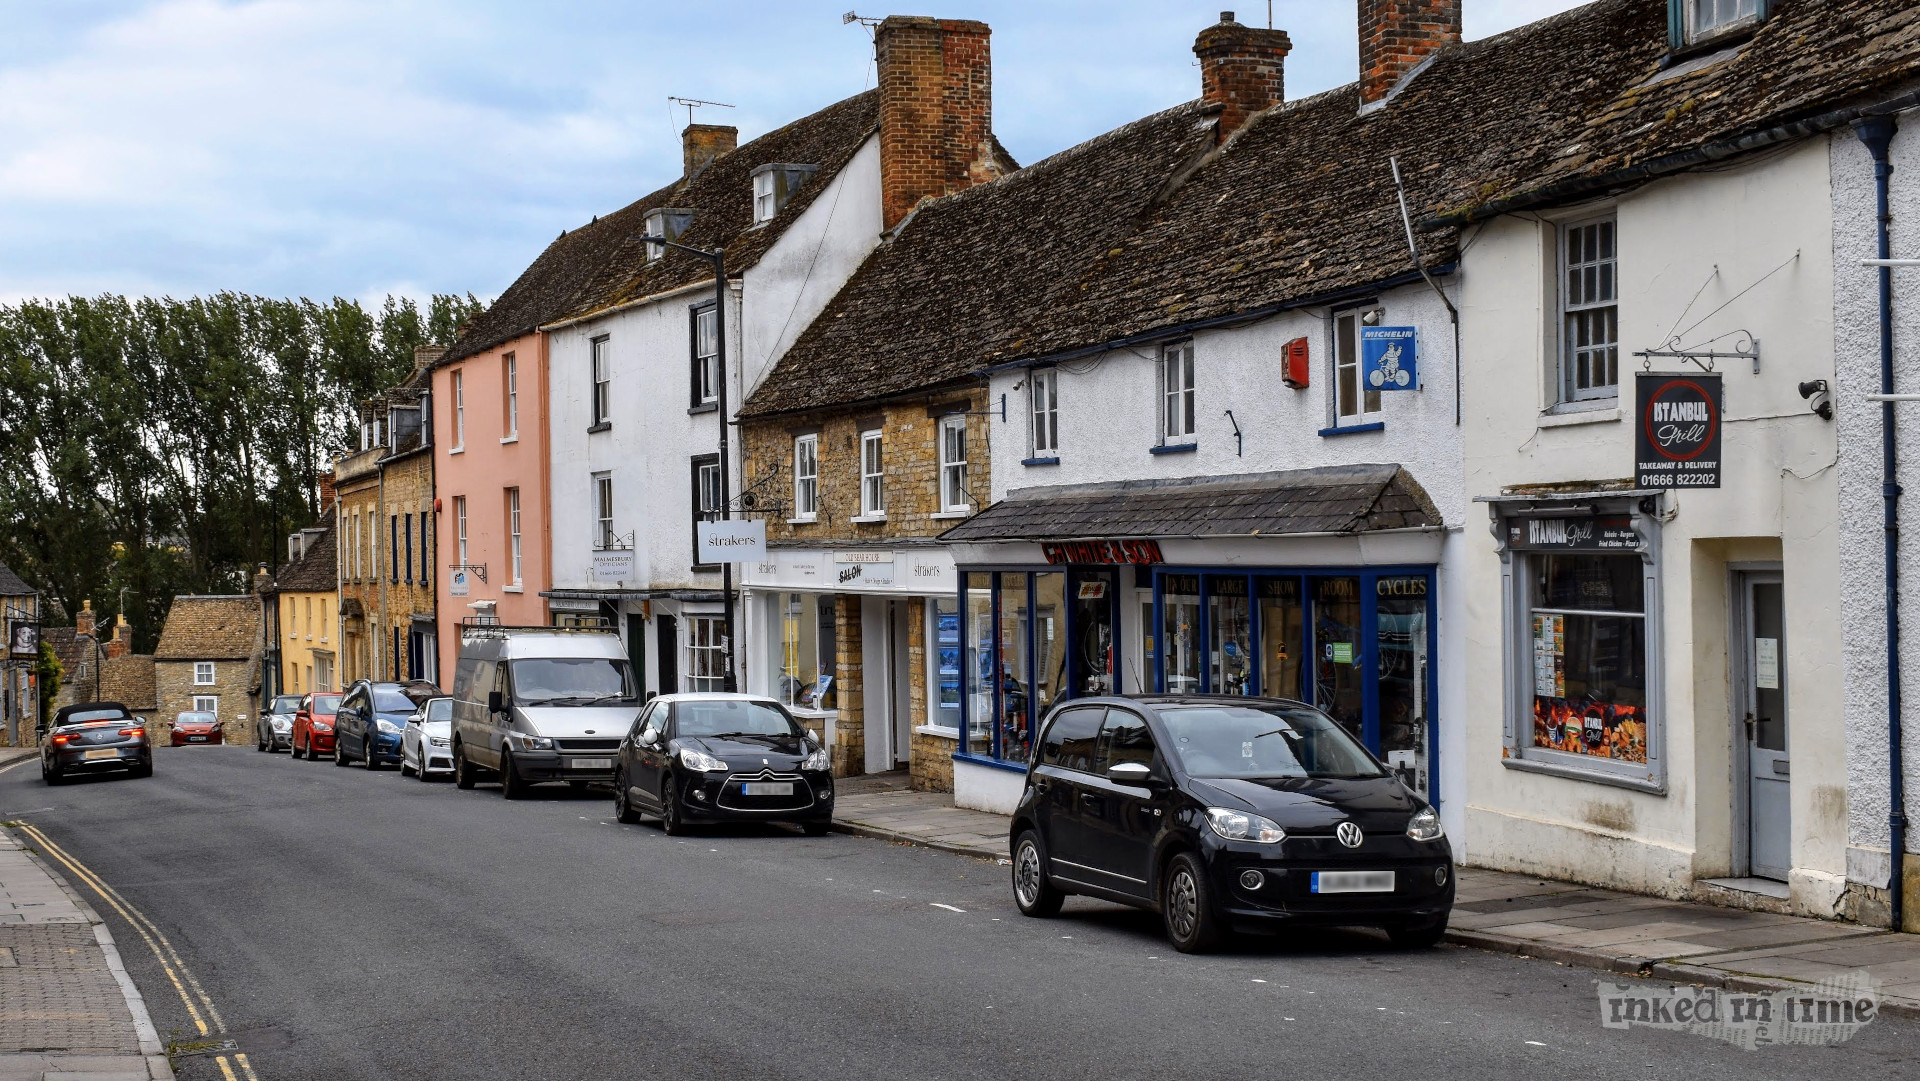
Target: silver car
274, 727
424, 744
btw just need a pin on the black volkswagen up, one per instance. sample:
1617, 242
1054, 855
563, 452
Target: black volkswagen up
1226, 814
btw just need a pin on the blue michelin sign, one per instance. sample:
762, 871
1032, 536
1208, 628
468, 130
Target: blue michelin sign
1390, 358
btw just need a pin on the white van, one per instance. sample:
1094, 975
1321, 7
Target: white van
533, 704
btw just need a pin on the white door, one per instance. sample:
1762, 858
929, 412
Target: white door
1764, 726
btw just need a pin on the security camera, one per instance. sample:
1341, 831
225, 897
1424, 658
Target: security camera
1815, 391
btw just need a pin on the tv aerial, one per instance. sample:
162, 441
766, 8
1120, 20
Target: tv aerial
695, 103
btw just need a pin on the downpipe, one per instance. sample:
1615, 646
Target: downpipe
1877, 133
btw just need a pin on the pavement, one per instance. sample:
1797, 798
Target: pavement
336, 925
68, 1011
1689, 942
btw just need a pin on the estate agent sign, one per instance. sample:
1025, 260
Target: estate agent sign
1677, 430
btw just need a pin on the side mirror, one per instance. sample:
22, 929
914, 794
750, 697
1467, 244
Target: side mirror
1136, 774
651, 695
496, 702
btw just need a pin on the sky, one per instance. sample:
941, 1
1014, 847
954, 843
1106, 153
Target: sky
364, 147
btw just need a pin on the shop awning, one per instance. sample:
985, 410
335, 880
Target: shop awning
1344, 500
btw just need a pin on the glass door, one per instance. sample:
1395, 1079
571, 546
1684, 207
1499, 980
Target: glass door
1283, 639
1401, 652
1093, 653
1339, 670
1229, 636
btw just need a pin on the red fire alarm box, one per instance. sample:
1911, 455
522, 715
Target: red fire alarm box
1293, 371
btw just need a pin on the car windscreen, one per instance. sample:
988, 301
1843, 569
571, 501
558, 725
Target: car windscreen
391, 699
85, 715
326, 703
570, 681
286, 703
731, 718
195, 718
440, 709
1264, 741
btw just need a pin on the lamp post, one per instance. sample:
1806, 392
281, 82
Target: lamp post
729, 681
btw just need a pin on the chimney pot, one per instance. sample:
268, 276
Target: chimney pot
83, 623
1396, 36
1242, 70
702, 143
936, 110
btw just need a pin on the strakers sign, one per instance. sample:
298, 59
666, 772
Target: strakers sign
1677, 438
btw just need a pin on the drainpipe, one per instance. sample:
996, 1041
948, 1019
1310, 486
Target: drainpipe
1877, 133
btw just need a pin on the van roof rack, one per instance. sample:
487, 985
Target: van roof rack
487, 627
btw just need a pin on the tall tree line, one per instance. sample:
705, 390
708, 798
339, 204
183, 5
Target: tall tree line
150, 447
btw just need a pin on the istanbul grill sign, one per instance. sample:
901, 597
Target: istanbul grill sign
1677, 438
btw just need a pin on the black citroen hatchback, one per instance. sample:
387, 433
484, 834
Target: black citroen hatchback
1226, 814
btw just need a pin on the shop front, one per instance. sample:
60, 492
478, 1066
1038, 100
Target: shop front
1233, 585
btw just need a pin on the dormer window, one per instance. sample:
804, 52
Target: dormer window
1698, 21
667, 223
774, 185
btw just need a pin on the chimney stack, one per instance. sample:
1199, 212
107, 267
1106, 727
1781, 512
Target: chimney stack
704, 142
936, 110
426, 356
83, 623
122, 643
1242, 70
1397, 35
324, 480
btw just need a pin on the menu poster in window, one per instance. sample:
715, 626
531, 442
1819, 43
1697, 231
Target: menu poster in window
1594, 729
1549, 650
946, 634
1677, 434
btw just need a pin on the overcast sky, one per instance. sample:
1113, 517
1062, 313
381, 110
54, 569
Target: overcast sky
360, 147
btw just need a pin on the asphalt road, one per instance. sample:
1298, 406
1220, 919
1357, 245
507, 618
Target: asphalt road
349, 925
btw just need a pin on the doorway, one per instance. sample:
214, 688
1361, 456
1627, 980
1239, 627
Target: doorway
1762, 728
898, 678
667, 655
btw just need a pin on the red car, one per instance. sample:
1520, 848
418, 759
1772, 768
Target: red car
196, 727
313, 726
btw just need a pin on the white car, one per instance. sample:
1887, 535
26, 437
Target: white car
424, 744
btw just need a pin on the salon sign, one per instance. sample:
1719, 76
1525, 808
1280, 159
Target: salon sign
1677, 431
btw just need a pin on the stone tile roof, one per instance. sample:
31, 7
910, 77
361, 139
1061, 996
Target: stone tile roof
201, 628
317, 572
11, 584
604, 263
1150, 230
129, 680
66, 643
1332, 499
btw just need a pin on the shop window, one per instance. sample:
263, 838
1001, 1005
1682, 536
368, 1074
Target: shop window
1229, 636
1093, 654
1049, 641
1587, 625
981, 690
804, 657
1012, 739
1339, 674
945, 711
1180, 633
1401, 643
706, 653
1352, 402
1589, 311
806, 478
1283, 642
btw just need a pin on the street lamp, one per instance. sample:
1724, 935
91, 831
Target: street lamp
729, 681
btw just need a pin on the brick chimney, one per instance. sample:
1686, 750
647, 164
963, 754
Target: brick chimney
324, 480
122, 643
1242, 70
936, 110
426, 356
1396, 35
83, 623
704, 142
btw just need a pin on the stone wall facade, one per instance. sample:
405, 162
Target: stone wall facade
357, 490
409, 605
233, 684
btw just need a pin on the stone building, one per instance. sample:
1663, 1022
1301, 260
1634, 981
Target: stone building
385, 536
19, 653
297, 608
208, 660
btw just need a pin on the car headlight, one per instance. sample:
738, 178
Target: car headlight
439, 741
321, 726
530, 743
387, 726
817, 759
281, 724
1425, 826
1239, 826
701, 763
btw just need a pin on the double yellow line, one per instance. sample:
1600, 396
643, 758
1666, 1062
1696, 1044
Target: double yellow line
200, 1007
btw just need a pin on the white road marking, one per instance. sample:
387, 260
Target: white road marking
1259, 981
949, 908
1535, 1043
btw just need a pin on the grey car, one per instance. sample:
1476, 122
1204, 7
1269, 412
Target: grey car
273, 730
95, 737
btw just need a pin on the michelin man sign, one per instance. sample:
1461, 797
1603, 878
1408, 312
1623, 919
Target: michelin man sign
1390, 358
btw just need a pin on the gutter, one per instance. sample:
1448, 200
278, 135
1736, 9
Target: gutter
1667, 164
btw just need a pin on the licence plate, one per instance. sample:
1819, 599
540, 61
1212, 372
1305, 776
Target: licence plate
766, 788
1353, 882
196, 739
589, 763
94, 755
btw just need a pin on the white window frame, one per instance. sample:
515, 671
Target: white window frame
1702, 25
207, 703
601, 372
323, 673
205, 674
873, 474
705, 662
1043, 390
1177, 398
806, 477
603, 512
953, 464
459, 411
706, 355
1593, 307
513, 531
765, 198
460, 525
511, 378
359, 554
654, 226
1346, 354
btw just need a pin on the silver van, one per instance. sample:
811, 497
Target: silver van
533, 704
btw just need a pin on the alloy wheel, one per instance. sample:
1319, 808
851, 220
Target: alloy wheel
1026, 874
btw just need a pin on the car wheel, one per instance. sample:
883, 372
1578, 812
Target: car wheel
406, 770
623, 811
1418, 934
294, 750
145, 769
462, 769
1034, 895
260, 745
339, 752
1186, 902
511, 786
53, 779
373, 758
817, 828
671, 820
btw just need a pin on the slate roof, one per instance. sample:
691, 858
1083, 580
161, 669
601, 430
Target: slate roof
1331, 499
317, 572
604, 263
11, 584
66, 645
129, 680
1149, 230
201, 628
